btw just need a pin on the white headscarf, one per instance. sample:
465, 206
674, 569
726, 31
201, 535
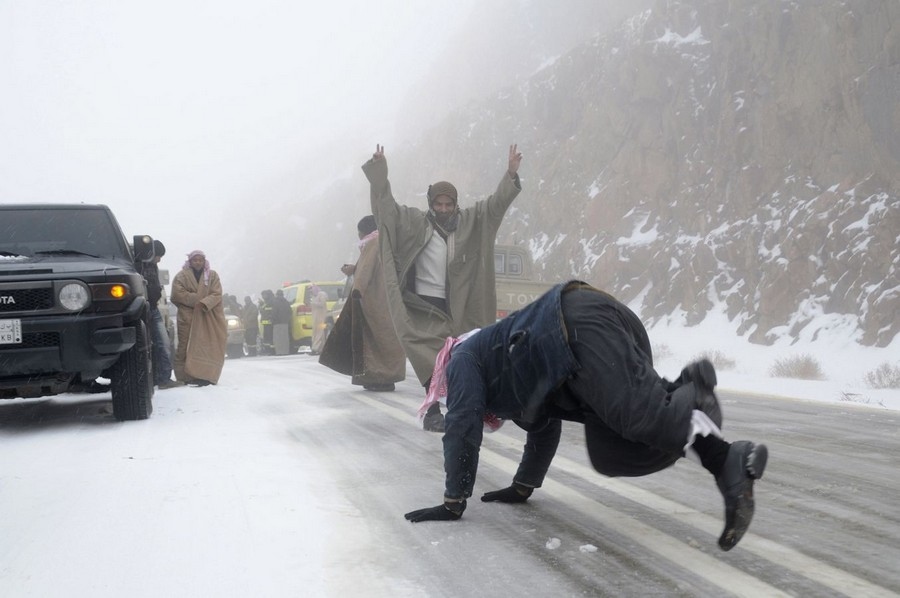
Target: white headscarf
187, 264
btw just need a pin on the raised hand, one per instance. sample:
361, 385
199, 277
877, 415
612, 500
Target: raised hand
379, 153
449, 511
515, 158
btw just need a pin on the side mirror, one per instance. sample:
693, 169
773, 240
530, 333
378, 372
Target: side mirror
143, 248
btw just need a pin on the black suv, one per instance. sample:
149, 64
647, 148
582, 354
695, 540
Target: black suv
72, 306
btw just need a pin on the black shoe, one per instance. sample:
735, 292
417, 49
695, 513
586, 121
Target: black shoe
199, 382
433, 422
389, 387
702, 375
746, 461
169, 384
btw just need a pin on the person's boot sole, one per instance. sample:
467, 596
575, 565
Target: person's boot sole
746, 462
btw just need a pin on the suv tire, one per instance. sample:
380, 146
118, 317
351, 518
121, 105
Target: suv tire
130, 381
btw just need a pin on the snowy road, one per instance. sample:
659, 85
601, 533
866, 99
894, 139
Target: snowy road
284, 480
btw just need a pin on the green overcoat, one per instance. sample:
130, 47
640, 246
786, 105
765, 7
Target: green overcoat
471, 292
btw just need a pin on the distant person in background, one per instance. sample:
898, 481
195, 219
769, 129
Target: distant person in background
250, 317
202, 329
266, 322
232, 305
162, 358
438, 264
281, 319
318, 303
363, 343
282, 308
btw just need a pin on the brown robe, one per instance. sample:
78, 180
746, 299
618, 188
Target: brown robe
363, 343
202, 329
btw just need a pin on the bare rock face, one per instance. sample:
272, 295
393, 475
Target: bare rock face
736, 152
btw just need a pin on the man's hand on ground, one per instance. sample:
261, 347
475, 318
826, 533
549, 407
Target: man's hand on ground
449, 511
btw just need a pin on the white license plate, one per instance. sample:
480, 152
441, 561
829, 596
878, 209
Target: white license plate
10, 332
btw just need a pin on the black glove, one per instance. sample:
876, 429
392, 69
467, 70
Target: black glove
514, 493
449, 511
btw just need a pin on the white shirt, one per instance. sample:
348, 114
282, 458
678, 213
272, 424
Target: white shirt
431, 268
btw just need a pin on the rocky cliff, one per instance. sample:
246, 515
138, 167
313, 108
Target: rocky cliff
708, 154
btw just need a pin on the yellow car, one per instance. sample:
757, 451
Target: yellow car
298, 295
235, 327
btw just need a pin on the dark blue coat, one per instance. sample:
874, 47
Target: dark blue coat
526, 368
508, 369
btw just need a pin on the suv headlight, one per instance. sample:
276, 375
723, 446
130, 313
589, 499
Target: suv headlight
74, 296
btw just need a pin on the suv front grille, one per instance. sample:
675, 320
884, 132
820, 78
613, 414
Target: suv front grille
27, 300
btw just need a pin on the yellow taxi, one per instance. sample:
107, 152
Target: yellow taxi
298, 295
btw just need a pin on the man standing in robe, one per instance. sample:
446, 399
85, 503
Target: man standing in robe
363, 343
202, 328
440, 281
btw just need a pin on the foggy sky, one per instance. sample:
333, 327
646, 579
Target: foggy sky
170, 111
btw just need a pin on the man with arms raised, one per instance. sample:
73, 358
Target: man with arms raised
442, 280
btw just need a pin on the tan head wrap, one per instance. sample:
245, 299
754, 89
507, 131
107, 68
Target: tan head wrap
442, 188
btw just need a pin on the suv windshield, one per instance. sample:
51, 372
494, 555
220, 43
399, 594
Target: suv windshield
62, 231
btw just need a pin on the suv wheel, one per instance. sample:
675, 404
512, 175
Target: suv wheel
131, 382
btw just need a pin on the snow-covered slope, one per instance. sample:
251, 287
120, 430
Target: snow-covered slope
731, 156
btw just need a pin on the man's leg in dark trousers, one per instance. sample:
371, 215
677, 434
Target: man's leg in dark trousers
616, 380
637, 422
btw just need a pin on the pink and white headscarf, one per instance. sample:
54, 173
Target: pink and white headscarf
437, 390
371, 236
187, 264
